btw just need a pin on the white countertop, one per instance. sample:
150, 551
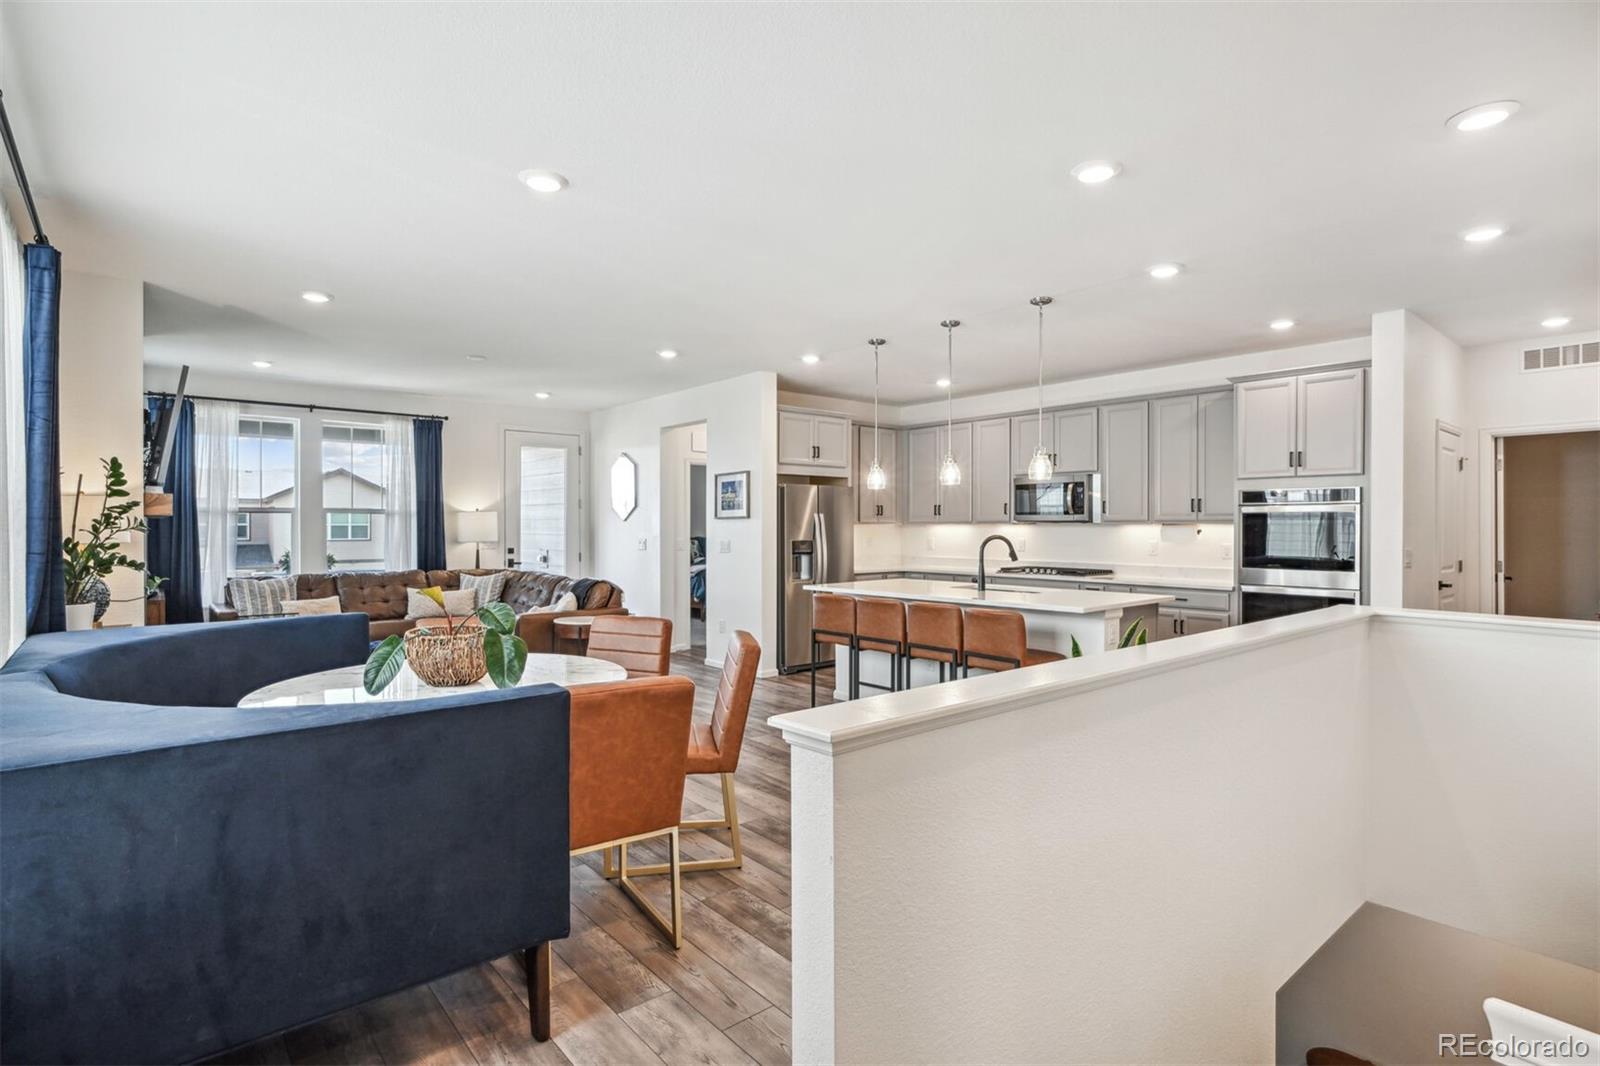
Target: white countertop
1045, 600
1160, 577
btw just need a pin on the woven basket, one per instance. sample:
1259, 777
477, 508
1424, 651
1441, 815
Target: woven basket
446, 660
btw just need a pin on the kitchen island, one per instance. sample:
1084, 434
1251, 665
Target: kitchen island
1054, 617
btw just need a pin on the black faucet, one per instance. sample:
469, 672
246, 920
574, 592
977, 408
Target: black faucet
983, 582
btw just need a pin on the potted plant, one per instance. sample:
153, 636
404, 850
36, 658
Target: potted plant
89, 561
1133, 637
484, 643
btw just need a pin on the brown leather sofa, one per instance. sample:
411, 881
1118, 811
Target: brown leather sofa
382, 598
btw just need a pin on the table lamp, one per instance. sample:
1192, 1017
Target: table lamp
477, 527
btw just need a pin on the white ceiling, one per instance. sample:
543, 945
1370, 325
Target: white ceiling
753, 182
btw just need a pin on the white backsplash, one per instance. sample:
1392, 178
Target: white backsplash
1206, 546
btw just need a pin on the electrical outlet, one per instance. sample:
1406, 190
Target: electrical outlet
1022, 544
724, 547
644, 544
722, 625
1153, 548
930, 542
1227, 552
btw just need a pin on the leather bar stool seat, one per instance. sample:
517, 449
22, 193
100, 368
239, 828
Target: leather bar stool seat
934, 632
881, 626
833, 622
998, 640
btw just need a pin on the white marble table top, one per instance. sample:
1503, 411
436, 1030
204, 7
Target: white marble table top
344, 684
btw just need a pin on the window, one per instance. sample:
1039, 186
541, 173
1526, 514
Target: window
264, 466
349, 525
354, 488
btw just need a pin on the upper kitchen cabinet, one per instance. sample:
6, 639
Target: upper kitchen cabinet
1191, 457
991, 470
1125, 461
1025, 431
955, 501
813, 440
923, 454
1070, 437
1302, 426
881, 505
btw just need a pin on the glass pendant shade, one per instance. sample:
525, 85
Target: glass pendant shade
1040, 467
877, 480
949, 471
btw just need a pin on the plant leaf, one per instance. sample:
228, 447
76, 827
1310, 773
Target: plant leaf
514, 656
383, 664
1077, 652
498, 617
1134, 635
435, 594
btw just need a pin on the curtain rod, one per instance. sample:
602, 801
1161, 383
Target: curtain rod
299, 406
22, 177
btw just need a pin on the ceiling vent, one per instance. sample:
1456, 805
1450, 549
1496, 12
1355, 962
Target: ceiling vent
1560, 358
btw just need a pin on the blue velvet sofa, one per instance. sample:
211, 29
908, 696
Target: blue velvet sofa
179, 876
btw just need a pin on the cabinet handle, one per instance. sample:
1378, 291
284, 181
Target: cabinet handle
1300, 459
1291, 458
1199, 504
1005, 508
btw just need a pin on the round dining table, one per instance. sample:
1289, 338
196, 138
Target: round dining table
343, 685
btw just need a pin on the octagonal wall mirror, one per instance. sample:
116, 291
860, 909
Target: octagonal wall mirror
624, 486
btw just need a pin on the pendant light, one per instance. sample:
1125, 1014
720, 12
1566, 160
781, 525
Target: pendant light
877, 480
950, 470
1040, 467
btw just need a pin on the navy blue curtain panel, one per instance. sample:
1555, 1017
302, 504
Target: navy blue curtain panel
172, 545
41, 399
428, 443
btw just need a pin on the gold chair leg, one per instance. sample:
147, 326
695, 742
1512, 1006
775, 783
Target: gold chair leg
673, 926
728, 821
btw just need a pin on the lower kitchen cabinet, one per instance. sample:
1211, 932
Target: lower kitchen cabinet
1186, 622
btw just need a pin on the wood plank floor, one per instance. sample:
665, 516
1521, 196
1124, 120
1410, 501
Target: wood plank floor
619, 993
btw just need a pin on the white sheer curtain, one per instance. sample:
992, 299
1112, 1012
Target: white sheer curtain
13, 442
216, 490
400, 494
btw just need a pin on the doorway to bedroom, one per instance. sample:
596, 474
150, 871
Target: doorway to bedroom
697, 558
685, 518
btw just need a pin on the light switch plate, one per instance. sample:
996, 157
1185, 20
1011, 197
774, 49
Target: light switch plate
722, 625
724, 547
1407, 554
644, 544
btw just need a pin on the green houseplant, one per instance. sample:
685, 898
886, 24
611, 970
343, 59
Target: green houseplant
88, 560
459, 656
1135, 634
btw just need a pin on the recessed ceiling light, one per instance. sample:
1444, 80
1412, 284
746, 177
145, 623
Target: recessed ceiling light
262, 364
542, 180
943, 383
314, 296
541, 396
810, 359
1282, 323
667, 353
1482, 234
1555, 323
1095, 171
477, 358
1163, 271
1484, 116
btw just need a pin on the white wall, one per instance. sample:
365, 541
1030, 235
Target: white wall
1123, 858
474, 445
102, 406
742, 434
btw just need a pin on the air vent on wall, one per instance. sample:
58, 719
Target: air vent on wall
1567, 355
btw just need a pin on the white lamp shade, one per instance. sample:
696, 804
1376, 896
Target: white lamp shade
477, 527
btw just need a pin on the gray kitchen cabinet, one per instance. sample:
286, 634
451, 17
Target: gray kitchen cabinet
1187, 621
1124, 461
1077, 439
1307, 425
923, 454
1191, 457
1025, 439
794, 438
883, 505
954, 501
991, 470
813, 439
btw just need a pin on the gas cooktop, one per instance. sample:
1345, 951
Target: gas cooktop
1056, 571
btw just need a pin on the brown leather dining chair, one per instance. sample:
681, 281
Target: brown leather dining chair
628, 750
998, 640
642, 646
714, 748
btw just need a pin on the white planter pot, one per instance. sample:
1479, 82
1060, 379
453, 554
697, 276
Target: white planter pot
80, 616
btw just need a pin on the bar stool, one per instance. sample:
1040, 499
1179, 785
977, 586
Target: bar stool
933, 632
833, 622
1000, 640
881, 626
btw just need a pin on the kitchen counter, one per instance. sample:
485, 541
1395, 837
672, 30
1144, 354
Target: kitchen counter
1144, 577
1047, 600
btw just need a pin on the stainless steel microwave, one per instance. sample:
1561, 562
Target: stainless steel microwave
1065, 497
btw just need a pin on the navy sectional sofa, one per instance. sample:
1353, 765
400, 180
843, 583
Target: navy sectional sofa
179, 876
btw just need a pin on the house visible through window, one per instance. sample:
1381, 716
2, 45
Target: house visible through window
353, 491
264, 465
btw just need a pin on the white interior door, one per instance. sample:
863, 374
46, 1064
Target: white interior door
543, 502
1449, 471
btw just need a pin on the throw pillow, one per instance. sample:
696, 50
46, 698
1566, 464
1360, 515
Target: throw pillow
457, 603
326, 605
487, 586
255, 597
568, 602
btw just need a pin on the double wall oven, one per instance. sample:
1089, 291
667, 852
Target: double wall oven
1299, 550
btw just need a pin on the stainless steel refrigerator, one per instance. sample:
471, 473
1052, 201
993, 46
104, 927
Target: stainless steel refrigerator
816, 545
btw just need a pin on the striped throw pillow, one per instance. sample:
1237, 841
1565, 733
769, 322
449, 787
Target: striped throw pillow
255, 597
487, 586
